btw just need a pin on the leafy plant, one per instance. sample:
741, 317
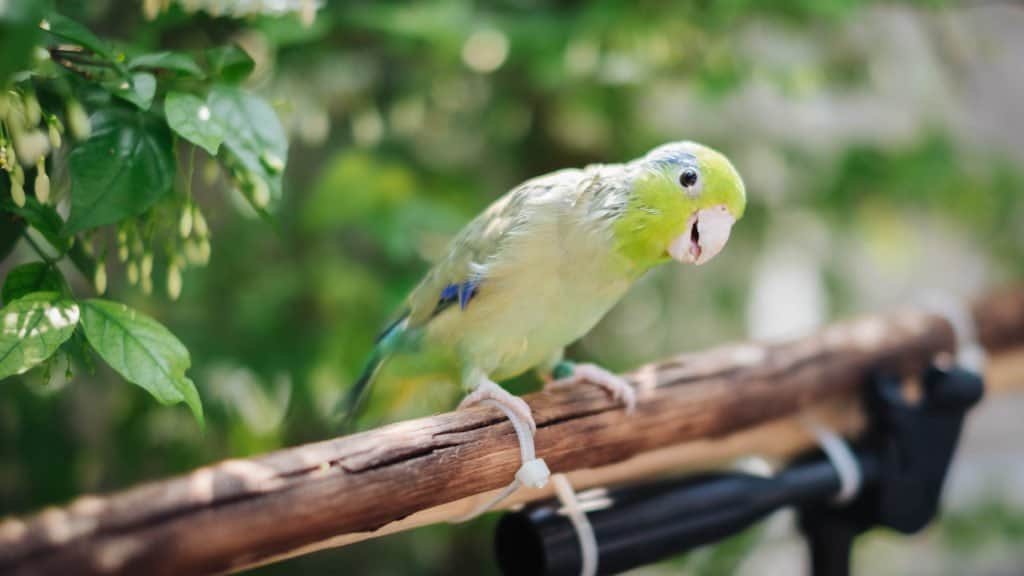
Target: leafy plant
126, 126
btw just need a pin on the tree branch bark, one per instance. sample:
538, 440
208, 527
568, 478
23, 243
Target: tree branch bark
695, 408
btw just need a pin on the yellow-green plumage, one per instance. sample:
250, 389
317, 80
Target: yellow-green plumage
540, 267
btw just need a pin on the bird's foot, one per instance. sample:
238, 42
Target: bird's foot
618, 387
488, 390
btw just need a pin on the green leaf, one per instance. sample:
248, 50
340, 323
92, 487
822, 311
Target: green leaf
173, 61
19, 32
32, 328
252, 134
33, 277
67, 29
141, 350
229, 63
190, 117
10, 232
43, 218
137, 89
123, 169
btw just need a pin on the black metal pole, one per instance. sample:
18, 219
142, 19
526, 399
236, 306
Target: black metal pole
654, 521
903, 461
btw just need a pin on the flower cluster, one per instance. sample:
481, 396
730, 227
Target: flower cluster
28, 135
306, 9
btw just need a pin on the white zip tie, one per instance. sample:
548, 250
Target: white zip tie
969, 352
843, 460
584, 531
532, 472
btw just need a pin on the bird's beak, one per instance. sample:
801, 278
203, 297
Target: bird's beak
707, 231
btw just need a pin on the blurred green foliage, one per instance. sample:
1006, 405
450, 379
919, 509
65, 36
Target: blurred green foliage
402, 127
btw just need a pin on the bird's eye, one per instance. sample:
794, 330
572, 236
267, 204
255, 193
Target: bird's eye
688, 178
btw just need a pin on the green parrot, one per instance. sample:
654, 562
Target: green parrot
540, 267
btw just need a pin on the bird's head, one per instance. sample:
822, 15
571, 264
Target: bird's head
682, 201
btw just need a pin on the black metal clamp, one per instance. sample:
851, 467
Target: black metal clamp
903, 460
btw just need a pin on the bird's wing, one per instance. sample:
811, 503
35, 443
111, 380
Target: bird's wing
455, 279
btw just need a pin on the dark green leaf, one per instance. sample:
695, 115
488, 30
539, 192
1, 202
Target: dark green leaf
252, 135
32, 328
123, 169
141, 350
191, 118
43, 218
19, 32
229, 63
11, 228
138, 89
32, 277
173, 61
67, 29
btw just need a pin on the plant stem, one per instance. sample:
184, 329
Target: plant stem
38, 249
79, 58
190, 173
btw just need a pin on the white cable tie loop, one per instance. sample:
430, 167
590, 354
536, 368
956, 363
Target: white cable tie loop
584, 531
485, 506
533, 471
843, 460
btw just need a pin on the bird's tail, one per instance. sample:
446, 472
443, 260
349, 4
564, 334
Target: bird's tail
348, 406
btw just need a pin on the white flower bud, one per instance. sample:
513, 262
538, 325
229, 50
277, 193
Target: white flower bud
31, 146
99, 279
260, 193
192, 251
204, 252
199, 223
133, 273
151, 9
33, 113
272, 162
17, 193
18, 175
307, 12
197, 251
185, 223
173, 281
15, 117
147, 265
43, 188
55, 140
211, 171
42, 185
147, 285
78, 121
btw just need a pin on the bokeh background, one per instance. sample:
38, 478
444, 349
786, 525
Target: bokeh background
881, 143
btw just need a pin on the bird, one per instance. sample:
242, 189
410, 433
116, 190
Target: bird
545, 262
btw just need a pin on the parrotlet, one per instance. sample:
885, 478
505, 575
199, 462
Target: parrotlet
542, 264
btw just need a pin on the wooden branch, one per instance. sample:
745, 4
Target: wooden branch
1000, 319
694, 408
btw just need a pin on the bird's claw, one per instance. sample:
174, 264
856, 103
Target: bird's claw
488, 390
618, 387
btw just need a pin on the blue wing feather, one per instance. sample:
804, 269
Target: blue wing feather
461, 293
